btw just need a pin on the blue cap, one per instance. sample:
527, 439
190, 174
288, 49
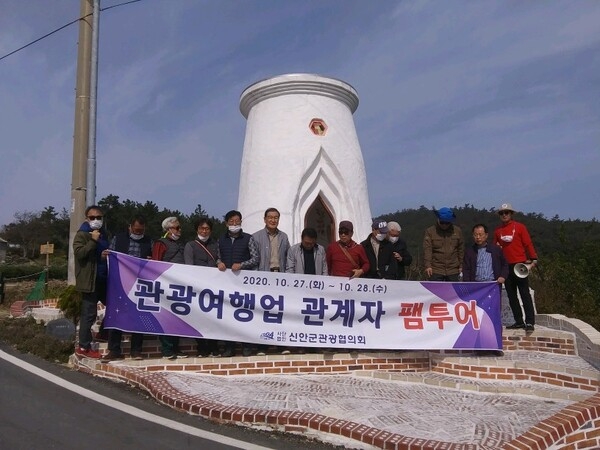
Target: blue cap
445, 215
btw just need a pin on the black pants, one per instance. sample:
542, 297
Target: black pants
169, 345
114, 342
89, 311
513, 283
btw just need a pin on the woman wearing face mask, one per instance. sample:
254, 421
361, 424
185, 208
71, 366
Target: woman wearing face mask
379, 252
203, 251
169, 248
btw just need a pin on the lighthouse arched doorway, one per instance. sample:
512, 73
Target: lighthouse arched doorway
319, 217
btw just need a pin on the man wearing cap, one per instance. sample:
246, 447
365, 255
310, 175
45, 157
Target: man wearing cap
516, 244
443, 248
379, 252
346, 258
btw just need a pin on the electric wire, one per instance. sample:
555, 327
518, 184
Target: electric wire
63, 27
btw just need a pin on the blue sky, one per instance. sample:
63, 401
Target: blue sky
477, 102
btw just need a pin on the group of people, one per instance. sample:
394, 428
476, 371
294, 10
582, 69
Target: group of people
447, 259
382, 255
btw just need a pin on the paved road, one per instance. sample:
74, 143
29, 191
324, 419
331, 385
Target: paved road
39, 409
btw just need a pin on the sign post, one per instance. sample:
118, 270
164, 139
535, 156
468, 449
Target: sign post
47, 249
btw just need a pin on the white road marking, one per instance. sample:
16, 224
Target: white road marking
127, 408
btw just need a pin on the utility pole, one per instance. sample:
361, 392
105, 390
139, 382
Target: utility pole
81, 132
90, 194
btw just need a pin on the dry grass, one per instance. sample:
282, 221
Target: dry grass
27, 336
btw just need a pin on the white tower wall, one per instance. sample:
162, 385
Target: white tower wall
286, 165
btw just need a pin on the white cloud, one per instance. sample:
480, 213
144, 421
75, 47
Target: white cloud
460, 102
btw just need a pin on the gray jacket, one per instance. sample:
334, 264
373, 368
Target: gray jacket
194, 253
295, 260
264, 249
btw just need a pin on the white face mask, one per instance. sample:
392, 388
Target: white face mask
95, 224
380, 237
175, 237
136, 237
234, 228
203, 238
393, 239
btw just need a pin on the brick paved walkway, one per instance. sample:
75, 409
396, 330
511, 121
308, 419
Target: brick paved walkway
525, 399
407, 409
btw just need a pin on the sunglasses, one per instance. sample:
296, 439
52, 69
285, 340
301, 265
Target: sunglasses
444, 222
95, 217
505, 213
344, 232
175, 228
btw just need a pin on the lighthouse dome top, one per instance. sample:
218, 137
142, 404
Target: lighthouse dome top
298, 83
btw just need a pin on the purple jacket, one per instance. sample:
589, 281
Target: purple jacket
499, 264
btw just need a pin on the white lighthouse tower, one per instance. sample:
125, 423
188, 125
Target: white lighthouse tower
302, 156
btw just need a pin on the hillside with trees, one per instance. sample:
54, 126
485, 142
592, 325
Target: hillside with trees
566, 281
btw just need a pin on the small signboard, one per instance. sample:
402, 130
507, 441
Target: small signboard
62, 329
46, 249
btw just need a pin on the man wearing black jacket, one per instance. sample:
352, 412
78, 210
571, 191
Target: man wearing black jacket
132, 242
379, 252
400, 253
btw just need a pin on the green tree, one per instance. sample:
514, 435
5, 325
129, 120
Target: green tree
30, 229
218, 225
567, 283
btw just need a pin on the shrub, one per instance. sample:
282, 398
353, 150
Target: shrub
30, 337
32, 270
69, 302
20, 271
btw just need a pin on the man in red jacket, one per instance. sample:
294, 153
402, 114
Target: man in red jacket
514, 239
346, 258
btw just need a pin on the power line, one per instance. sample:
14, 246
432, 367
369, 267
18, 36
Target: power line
119, 4
43, 37
63, 27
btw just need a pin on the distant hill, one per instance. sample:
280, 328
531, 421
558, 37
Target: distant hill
550, 236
